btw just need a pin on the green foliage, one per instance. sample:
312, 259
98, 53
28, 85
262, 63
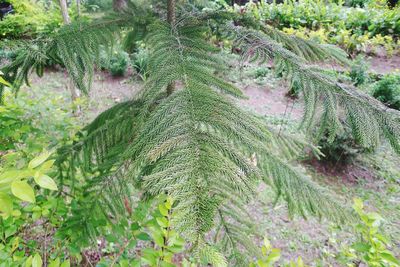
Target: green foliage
260, 72
387, 90
78, 55
14, 127
358, 72
194, 143
97, 5
353, 28
371, 249
23, 205
357, 3
30, 18
15, 181
167, 240
119, 63
271, 257
140, 62
341, 151
149, 232
295, 89
319, 90
198, 124
6, 55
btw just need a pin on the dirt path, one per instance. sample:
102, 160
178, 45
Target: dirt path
382, 65
266, 100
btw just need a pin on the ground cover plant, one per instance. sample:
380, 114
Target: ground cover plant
168, 175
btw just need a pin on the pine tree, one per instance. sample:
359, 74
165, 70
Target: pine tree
185, 136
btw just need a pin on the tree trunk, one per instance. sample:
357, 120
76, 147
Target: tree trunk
70, 85
171, 18
78, 7
64, 11
171, 12
119, 5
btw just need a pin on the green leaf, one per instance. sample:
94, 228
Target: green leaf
158, 238
14, 244
28, 262
135, 263
2, 81
37, 261
361, 247
162, 221
11, 175
149, 256
143, 236
163, 210
135, 226
169, 202
358, 204
38, 160
23, 191
167, 264
66, 263
55, 263
6, 205
45, 181
47, 165
388, 256
274, 255
300, 262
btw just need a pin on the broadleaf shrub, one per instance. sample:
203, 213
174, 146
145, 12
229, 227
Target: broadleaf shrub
372, 246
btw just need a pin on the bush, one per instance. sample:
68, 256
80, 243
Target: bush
342, 150
119, 63
30, 19
387, 91
261, 72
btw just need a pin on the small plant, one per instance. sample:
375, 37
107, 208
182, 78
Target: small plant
16, 180
271, 256
294, 90
160, 241
341, 151
387, 91
358, 72
119, 63
140, 62
261, 72
372, 247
